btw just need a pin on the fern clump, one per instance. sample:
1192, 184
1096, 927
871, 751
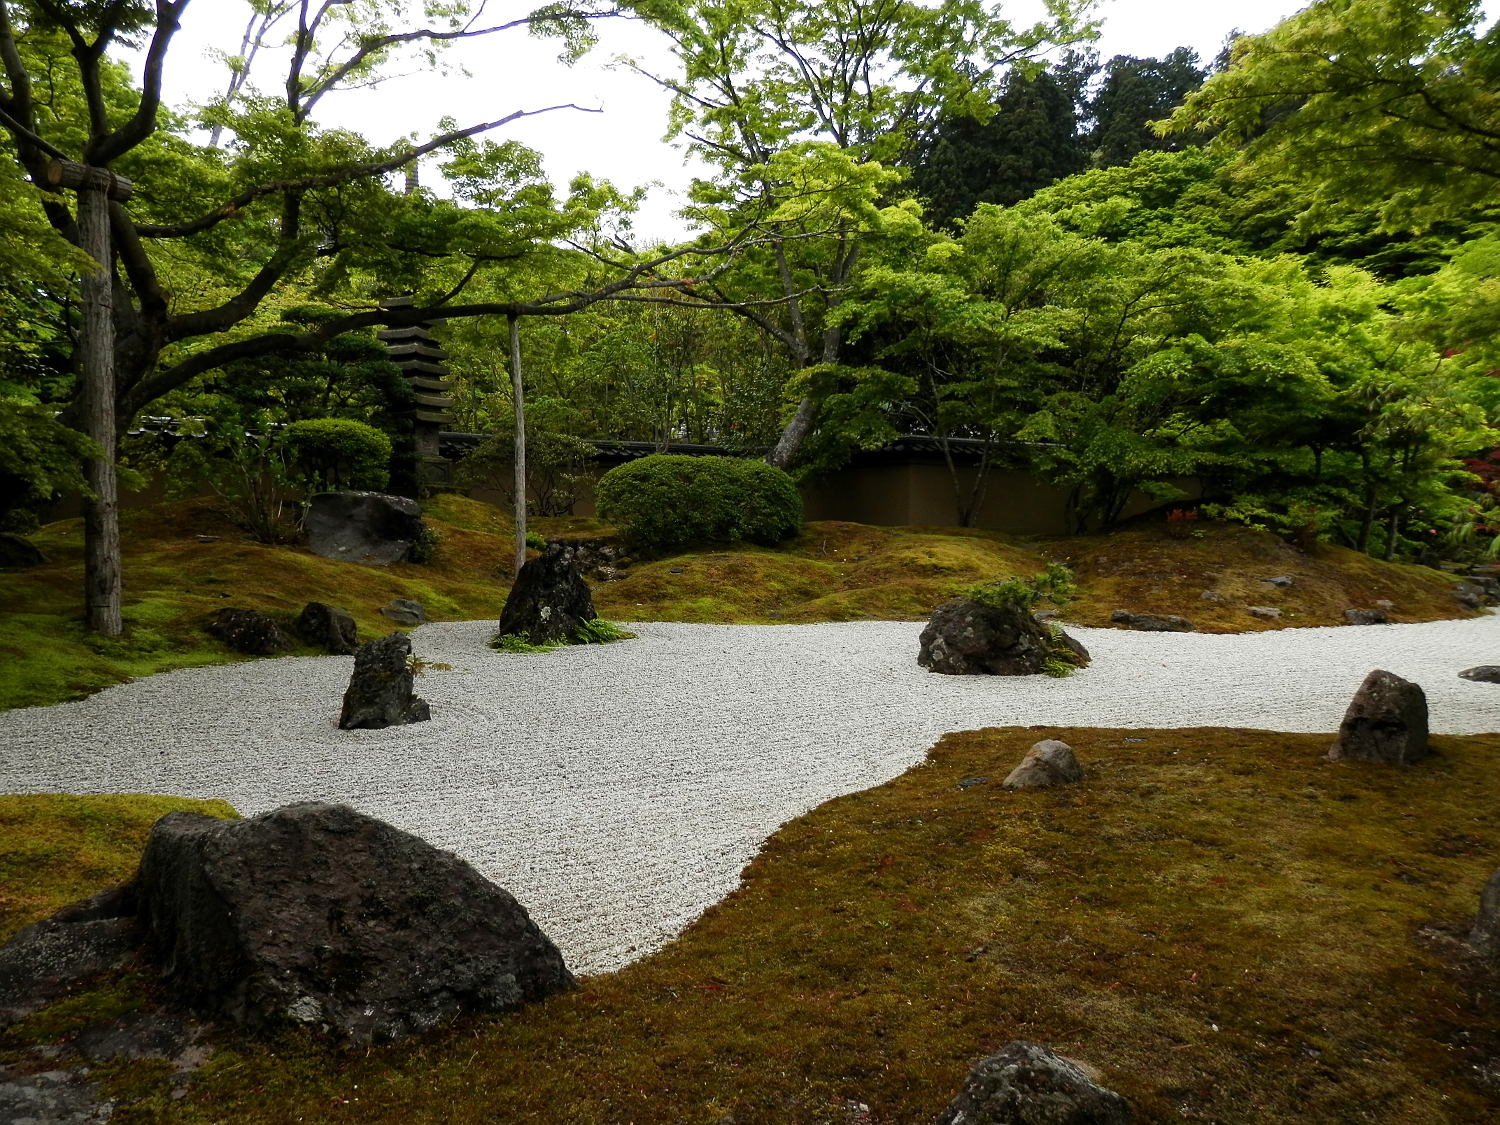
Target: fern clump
595, 632
1055, 584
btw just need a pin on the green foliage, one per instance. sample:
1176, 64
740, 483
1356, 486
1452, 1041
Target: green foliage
536, 541
1061, 660
39, 457
556, 461
1134, 93
666, 501
514, 642
599, 632
339, 453
426, 545
251, 473
1054, 584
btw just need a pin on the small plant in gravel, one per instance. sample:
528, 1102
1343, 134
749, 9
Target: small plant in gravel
595, 632
419, 667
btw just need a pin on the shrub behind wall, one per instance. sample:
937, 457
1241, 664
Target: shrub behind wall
667, 500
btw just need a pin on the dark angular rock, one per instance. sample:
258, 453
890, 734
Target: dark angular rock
1386, 722
1026, 1084
404, 611
1152, 622
549, 599
1482, 674
318, 914
380, 690
17, 553
1484, 939
249, 631
1468, 595
363, 527
44, 962
328, 627
1365, 616
968, 638
1048, 762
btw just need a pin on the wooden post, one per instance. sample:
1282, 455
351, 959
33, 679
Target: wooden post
518, 397
96, 390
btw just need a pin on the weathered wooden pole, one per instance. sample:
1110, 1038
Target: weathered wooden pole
96, 373
518, 397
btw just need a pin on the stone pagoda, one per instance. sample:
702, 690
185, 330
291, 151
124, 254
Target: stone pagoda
420, 359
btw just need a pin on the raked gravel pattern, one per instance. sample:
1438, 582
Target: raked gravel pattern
619, 790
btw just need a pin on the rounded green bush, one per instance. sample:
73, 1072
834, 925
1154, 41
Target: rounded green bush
668, 500
340, 453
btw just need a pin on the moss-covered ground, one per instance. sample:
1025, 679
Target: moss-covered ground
832, 571
1229, 928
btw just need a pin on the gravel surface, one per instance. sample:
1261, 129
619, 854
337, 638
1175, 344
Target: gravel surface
618, 791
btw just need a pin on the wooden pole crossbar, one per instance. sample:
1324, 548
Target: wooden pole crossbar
85, 177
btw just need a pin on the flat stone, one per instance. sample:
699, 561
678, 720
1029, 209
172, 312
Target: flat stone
249, 631
319, 915
1027, 1084
1048, 762
1482, 674
380, 689
328, 627
1280, 582
1386, 722
1212, 596
54, 1097
1484, 939
1264, 612
1365, 616
363, 527
48, 959
404, 611
1152, 622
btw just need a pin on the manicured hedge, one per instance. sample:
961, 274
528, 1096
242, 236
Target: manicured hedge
340, 453
667, 501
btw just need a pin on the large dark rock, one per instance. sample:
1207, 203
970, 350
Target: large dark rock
363, 527
1482, 674
380, 690
1386, 722
965, 638
549, 599
249, 631
44, 962
1152, 622
318, 914
1026, 1084
1485, 937
17, 553
327, 627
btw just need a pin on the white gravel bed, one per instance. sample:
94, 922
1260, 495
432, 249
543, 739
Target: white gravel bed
619, 790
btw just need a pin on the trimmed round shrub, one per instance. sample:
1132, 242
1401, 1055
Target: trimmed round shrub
340, 453
667, 500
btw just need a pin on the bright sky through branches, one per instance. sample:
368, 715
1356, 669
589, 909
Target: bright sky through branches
623, 143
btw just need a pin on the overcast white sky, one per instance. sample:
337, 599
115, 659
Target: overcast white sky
623, 143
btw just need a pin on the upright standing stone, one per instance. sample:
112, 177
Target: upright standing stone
1386, 722
549, 599
1485, 937
1026, 1084
380, 690
320, 915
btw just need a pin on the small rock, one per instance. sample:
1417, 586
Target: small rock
1152, 622
1264, 612
44, 961
1365, 616
207, 538
1468, 595
1213, 596
1485, 937
1482, 674
1386, 722
549, 599
328, 627
1048, 762
17, 553
380, 690
363, 527
1280, 582
320, 915
404, 611
1045, 614
1026, 1084
249, 631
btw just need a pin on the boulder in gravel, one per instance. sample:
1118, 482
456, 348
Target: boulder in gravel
1482, 674
1048, 762
1484, 939
549, 599
44, 961
380, 690
363, 527
404, 611
328, 627
1264, 612
1365, 617
968, 638
17, 553
1026, 1084
320, 915
249, 631
1152, 622
1386, 722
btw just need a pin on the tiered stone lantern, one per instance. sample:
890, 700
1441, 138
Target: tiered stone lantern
420, 359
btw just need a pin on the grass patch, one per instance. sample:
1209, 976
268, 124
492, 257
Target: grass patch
1230, 928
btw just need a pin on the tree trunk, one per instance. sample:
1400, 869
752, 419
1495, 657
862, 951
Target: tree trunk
1391, 531
101, 515
518, 397
791, 437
